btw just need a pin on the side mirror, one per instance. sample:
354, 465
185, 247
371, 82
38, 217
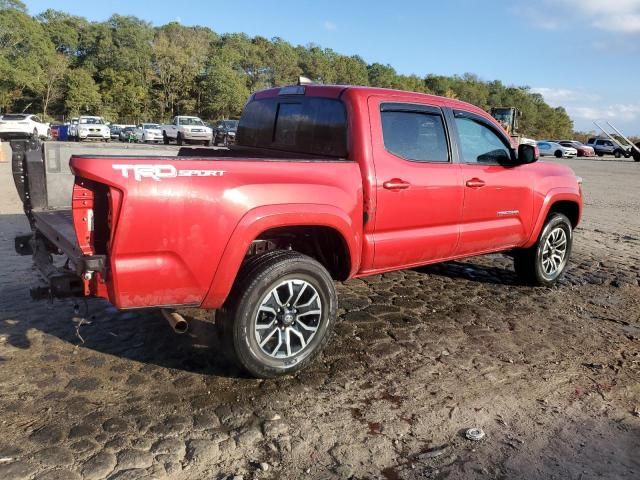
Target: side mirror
527, 154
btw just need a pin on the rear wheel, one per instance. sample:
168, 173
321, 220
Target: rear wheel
617, 154
545, 262
165, 139
279, 313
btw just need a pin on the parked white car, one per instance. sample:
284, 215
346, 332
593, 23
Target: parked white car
90, 127
72, 133
553, 149
186, 129
148, 133
21, 125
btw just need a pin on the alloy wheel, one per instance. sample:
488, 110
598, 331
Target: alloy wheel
288, 318
554, 252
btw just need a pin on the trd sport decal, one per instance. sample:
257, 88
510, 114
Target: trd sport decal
158, 172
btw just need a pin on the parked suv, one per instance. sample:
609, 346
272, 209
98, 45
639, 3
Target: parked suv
225, 132
604, 146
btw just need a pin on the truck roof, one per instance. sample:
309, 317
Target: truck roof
336, 91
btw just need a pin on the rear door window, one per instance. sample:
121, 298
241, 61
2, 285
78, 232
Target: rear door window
417, 136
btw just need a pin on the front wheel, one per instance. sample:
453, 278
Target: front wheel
558, 154
544, 263
165, 139
279, 314
179, 140
617, 154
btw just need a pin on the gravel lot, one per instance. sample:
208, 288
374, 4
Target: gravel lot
418, 356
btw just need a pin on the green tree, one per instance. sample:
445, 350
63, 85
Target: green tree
179, 55
82, 95
65, 31
24, 50
224, 89
51, 87
382, 75
350, 70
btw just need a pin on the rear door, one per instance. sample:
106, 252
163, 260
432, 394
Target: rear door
418, 187
498, 197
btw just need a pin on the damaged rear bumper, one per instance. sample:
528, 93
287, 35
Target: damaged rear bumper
72, 279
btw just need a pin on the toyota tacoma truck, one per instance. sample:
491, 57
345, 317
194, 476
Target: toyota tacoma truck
325, 184
184, 129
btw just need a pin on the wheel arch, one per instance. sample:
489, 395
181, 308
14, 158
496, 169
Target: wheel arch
344, 242
560, 200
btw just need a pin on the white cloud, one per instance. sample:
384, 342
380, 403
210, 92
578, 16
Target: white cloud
560, 96
584, 107
330, 26
620, 16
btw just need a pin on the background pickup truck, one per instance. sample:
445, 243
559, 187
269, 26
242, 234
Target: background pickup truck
184, 129
326, 183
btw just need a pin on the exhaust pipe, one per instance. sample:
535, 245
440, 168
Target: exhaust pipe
177, 321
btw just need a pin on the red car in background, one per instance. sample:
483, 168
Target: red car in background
583, 150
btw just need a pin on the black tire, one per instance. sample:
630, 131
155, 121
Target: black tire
600, 154
165, 139
528, 263
636, 156
179, 140
207, 143
257, 278
558, 154
617, 154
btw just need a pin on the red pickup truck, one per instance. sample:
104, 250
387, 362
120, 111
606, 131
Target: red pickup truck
326, 183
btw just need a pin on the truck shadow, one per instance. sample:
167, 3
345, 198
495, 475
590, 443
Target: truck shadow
475, 270
142, 336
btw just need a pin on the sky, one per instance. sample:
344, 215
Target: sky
583, 55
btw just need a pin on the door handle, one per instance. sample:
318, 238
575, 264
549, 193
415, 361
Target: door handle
475, 183
396, 184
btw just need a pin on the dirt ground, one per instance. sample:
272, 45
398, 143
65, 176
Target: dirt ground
552, 376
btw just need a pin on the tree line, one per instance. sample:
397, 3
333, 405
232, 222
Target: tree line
127, 70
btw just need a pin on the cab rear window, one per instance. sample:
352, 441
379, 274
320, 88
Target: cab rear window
310, 125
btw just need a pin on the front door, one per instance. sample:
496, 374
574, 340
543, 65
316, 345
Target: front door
418, 188
498, 198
